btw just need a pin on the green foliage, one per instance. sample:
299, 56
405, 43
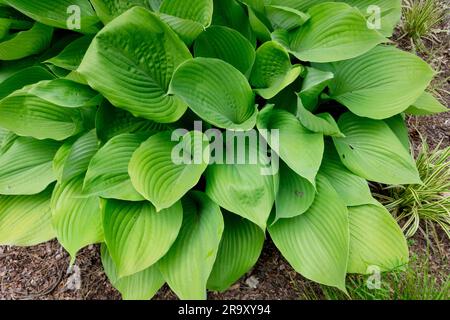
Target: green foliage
421, 17
99, 140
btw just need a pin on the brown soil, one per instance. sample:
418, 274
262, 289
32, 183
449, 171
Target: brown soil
40, 272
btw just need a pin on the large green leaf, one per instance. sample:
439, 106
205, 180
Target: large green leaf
216, 92
380, 83
336, 31
301, 149
65, 93
139, 286
134, 72
73, 158
55, 12
71, 56
25, 113
110, 179
189, 262
243, 186
26, 43
273, 71
426, 104
391, 11
371, 150
25, 220
316, 243
137, 236
240, 247
159, 176
228, 45
107, 10
375, 240
26, 166
398, 125
295, 194
352, 189
23, 78
77, 219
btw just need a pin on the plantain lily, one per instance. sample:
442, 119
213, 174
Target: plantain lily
300, 104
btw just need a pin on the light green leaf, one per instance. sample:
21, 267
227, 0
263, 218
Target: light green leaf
59, 13
335, 31
391, 11
73, 158
137, 236
240, 248
316, 243
189, 262
65, 93
380, 83
244, 187
139, 286
70, 58
26, 114
111, 180
376, 240
299, 148
273, 71
352, 189
321, 123
165, 167
285, 18
25, 220
187, 30
26, 43
77, 219
216, 92
426, 104
301, 5
295, 194
228, 45
111, 121
26, 166
107, 10
124, 70
371, 150
314, 82
23, 78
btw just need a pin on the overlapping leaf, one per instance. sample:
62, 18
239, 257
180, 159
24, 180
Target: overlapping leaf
134, 73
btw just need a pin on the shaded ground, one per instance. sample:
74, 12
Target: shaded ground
40, 272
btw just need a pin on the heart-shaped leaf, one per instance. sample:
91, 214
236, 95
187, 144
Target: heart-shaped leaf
163, 169
137, 236
134, 73
371, 150
380, 83
216, 92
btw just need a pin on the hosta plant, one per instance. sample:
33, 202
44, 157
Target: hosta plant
116, 119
